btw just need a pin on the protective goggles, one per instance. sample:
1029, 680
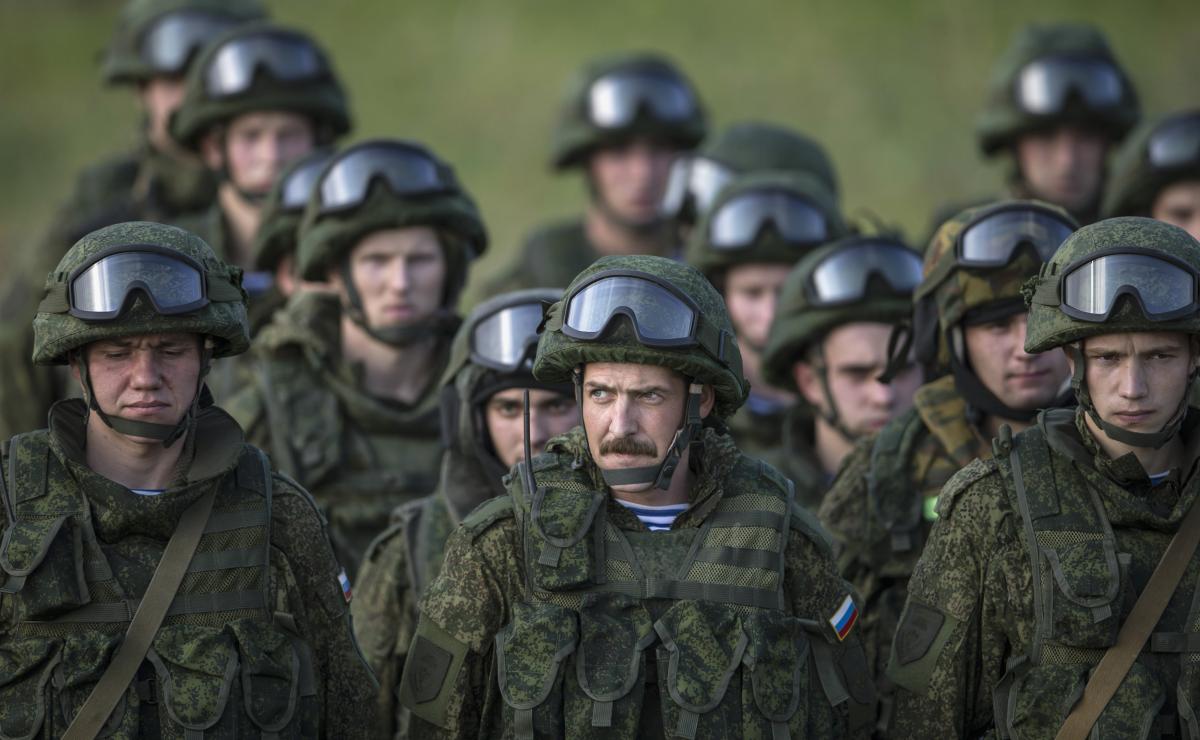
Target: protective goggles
99, 289
1164, 287
694, 183
172, 40
992, 239
408, 169
287, 57
736, 223
299, 184
1175, 142
843, 275
1044, 86
660, 314
502, 341
615, 100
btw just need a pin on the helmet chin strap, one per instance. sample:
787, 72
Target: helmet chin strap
976, 394
1153, 440
443, 323
831, 416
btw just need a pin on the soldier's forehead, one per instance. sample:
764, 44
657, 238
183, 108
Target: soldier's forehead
631, 374
149, 340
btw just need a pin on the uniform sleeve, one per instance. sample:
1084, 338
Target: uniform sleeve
319, 605
968, 611
449, 681
249, 409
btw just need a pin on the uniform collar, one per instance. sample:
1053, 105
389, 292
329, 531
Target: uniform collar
944, 412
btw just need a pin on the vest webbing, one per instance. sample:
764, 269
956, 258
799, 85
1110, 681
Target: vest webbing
890, 492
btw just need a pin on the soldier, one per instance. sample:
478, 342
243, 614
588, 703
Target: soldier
482, 412
968, 328
157, 579
1157, 173
345, 392
828, 344
624, 120
745, 244
643, 578
1032, 573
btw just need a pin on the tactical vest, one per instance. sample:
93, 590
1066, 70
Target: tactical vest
224, 664
689, 626
427, 525
1082, 590
895, 504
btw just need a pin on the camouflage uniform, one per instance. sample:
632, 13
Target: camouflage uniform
258, 639
1039, 554
406, 558
555, 254
360, 455
881, 506
557, 613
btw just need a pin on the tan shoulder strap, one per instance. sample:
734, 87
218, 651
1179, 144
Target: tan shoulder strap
146, 621
1119, 658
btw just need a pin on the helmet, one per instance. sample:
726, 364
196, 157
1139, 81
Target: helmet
160, 37
615, 98
1052, 75
141, 278
1156, 155
283, 208
1126, 274
492, 351
741, 149
258, 67
764, 217
858, 278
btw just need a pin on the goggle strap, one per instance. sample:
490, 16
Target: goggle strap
1047, 292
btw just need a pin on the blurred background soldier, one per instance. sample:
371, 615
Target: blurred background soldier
1157, 173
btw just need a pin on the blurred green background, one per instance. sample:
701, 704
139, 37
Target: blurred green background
891, 88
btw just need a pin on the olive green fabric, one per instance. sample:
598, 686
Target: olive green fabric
1049, 327
754, 146
1135, 182
768, 245
56, 332
361, 456
625, 634
575, 136
1002, 120
1030, 582
879, 510
258, 638
279, 230
324, 100
558, 355
551, 255
123, 63
797, 324
796, 458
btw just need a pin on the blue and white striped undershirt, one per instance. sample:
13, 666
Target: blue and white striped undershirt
656, 518
147, 491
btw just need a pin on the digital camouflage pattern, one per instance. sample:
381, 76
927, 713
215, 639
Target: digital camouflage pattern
259, 638
1135, 182
558, 355
360, 456
880, 509
972, 657
523, 636
754, 146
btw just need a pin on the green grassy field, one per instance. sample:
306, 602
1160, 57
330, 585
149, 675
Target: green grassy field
891, 88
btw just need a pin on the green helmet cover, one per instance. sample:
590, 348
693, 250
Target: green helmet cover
798, 324
575, 136
57, 333
768, 246
753, 146
322, 100
277, 234
1135, 183
123, 63
558, 355
1003, 120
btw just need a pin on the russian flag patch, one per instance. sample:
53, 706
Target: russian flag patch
844, 618
344, 581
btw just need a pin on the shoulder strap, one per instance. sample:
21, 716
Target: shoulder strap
149, 617
890, 492
9, 509
1119, 658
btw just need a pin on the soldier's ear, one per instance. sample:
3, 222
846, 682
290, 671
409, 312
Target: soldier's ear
212, 150
708, 399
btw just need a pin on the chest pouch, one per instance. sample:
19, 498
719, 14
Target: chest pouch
1081, 582
26, 664
777, 662
558, 546
610, 663
530, 653
197, 668
42, 560
278, 687
86, 654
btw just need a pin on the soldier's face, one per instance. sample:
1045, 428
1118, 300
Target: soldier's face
257, 146
750, 294
996, 352
854, 356
1179, 204
1138, 380
550, 414
149, 377
630, 179
1064, 165
399, 275
159, 97
631, 413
